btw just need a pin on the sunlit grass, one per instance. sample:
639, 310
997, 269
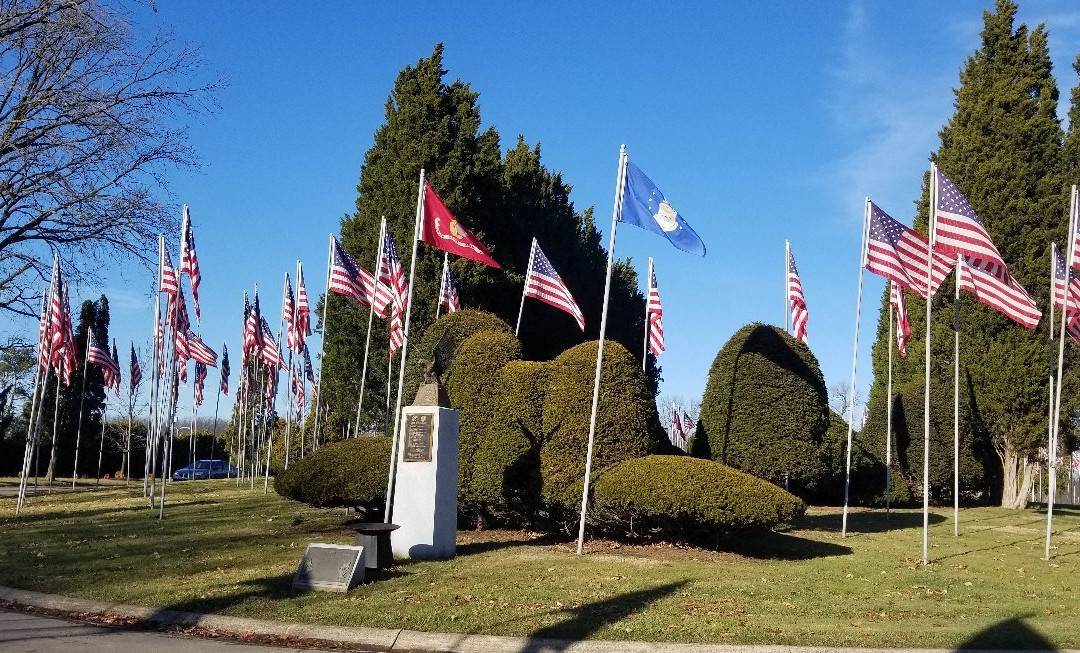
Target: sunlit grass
220, 549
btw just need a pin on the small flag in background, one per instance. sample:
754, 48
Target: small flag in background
799, 314
959, 230
899, 254
654, 313
646, 207
200, 352
253, 340
688, 424
349, 278
100, 357
189, 262
270, 351
394, 287
677, 436
544, 283
135, 371
225, 370
288, 308
169, 282
1003, 295
448, 294
903, 327
200, 380
1059, 282
309, 372
303, 309
442, 230
116, 364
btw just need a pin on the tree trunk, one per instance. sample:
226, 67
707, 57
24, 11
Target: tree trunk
1017, 476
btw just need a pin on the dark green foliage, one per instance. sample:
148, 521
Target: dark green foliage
506, 470
349, 473
1003, 150
765, 409
627, 425
469, 387
505, 200
867, 468
680, 498
442, 340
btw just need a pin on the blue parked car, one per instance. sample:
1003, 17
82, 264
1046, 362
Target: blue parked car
203, 469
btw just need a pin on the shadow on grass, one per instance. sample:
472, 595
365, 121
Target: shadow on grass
865, 522
591, 617
544, 539
1009, 634
273, 587
782, 546
61, 515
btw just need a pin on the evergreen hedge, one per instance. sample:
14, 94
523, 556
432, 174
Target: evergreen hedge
506, 470
627, 425
349, 473
765, 409
680, 498
446, 333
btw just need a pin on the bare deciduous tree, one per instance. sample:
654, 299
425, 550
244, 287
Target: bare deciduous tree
90, 120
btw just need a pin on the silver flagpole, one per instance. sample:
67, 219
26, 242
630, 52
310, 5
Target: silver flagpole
418, 225
371, 317
33, 429
442, 283
1050, 353
888, 409
82, 403
956, 402
648, 292
854, 361
289, 385
926, 390
1051, 489
322, 353
101, 442
616, 213
389, 387
525, 288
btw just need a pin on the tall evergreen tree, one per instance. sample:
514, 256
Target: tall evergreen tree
1002, 148
505, 201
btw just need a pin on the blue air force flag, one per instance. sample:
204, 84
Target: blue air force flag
645, 206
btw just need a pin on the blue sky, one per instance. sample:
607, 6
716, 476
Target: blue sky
760, 122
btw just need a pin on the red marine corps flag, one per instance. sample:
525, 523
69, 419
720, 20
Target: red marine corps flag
442, 230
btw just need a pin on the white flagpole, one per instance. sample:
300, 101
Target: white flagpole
787, 283
101, 442
410, 300
854, 361
326, 302
41, 378
1050, 356
926, 390
616, 212
648, 292
1051, 489
442, 282
956, 402
888, 410
371, 316
525, 289
82, 403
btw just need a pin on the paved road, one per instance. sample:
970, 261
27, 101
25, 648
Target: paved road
25, 633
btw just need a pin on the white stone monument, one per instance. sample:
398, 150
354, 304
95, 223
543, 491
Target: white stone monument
426, 484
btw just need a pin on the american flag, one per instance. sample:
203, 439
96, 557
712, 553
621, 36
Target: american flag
116, 363
200, 352
189, 262
1005, 296
959, 230
271, 388
200, 379
1059, 282
899, 253
253, 337
309, 372
56, 328
225, 370
544, 283
270, 351
654, 313
397, 332
903, 327
100, 357
1073, 328
169, 283
288, 313
349, 278
392, 276
298, 387
678, 437
182, 346
134, 371
799, 314
303, 309
159, 343
688, 424
1075, 460
448, 294
43, 340
64, 357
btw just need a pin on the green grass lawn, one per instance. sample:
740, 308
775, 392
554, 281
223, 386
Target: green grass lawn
232, 551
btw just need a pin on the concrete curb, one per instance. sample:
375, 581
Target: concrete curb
388, 639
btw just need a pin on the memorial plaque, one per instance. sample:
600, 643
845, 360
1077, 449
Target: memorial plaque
330, 567
417, 443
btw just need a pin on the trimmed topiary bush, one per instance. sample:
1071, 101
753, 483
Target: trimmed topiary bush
765, 409
470, 388
506, 470
627, 425
679, 498
349, 473
446, 333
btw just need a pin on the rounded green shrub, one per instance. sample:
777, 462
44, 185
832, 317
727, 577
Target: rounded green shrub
627, 425
765, 409
506, 470
680, 498
470, 388
441, 340
349, 473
